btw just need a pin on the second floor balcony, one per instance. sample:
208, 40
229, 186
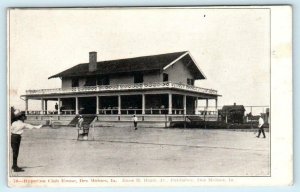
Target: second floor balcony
122, 87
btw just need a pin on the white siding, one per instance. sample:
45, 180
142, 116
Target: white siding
152, 77
178, 73
66, 82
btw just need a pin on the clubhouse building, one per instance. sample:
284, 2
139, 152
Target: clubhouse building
155, 88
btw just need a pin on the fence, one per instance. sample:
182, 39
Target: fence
234, 113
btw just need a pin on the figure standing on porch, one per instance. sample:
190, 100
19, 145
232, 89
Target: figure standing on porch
16, 131
135, 119
56, 106
80, 121
260, 127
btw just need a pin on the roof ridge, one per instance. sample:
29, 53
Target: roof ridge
139, 57
140, 63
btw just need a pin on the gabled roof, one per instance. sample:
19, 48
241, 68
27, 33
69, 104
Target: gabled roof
128, 65
233, 108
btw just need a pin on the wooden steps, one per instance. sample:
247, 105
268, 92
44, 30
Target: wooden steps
87, 120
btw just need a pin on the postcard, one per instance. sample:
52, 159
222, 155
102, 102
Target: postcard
149, 96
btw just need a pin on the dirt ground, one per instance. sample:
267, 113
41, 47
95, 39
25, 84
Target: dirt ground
113, 151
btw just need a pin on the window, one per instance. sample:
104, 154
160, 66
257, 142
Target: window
75, 82
190, 81
165, 77
90, 81
103, 80
138, 78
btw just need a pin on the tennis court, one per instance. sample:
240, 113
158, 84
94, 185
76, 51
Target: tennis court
122, 151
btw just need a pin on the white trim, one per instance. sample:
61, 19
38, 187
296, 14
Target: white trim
180, 57
196, 65
169, 65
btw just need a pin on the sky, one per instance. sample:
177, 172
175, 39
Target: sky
230, 46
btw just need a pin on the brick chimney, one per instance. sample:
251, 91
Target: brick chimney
93, 61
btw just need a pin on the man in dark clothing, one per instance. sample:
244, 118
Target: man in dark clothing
260, 127
16, 131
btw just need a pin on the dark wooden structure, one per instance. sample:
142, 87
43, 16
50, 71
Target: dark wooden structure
232, 113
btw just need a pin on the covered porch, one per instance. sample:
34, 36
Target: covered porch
151, 103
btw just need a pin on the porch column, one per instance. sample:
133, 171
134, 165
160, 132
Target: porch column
119, 104
206, 104
216, 104
42, 105
97, 105
143, 104
184, 104
76, 106
58, 109
170, 103
196, 105
46, 106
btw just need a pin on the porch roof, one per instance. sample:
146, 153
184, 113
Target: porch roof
123, 88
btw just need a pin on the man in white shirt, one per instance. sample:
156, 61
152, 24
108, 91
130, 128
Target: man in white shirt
260, 127
135, 119
80, 121
17, 128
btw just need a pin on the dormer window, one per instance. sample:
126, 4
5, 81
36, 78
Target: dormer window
165, 77
90, 81
75, 82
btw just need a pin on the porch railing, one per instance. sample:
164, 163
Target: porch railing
50, 112
136, 86
139, 111
115, 111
